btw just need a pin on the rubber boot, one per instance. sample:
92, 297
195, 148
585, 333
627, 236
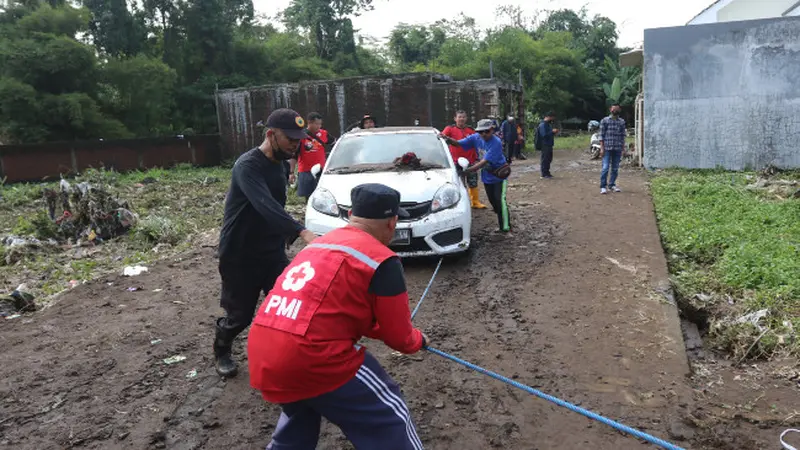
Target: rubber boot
225, 365
474, 195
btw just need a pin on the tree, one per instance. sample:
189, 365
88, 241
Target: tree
410, 45
327, 23
116, 29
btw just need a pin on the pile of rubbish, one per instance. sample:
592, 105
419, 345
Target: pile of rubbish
87, 212
19, 301
76, 214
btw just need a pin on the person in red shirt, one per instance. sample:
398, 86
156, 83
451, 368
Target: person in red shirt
303, 349
457, 132
312, 151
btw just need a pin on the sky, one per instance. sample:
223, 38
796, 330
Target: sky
631, 16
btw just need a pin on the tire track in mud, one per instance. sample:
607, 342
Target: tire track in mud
475, 311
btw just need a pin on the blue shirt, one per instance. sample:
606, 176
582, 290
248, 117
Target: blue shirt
546, 136
612, 133
491, 151
509, 131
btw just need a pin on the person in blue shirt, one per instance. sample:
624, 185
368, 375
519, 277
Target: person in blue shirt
490, 153
508, 131
544, 141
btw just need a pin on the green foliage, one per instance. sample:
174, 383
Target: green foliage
114, 68
725, 238
159, 230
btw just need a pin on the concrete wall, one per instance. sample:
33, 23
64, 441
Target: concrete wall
723, 95
392, 100
34, 162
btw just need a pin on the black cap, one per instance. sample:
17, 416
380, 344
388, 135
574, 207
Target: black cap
376, 201
288, 121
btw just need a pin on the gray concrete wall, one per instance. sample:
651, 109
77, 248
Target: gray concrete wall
723, 95
392, 100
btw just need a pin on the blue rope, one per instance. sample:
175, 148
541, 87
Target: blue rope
559, 402
419, 303
585, 412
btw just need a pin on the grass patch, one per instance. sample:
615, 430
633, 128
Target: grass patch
578, 141
173, 205
733, 246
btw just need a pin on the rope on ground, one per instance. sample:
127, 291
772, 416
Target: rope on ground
585, 412
783, 443
424, 293
559, 402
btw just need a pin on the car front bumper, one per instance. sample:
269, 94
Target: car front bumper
441, 233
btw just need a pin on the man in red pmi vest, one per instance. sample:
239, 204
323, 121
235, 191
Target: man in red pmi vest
303, 349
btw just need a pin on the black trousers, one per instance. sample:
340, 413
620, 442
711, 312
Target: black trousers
242, 285
547, 158
497, 197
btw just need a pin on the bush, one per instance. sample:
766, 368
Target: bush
159, 230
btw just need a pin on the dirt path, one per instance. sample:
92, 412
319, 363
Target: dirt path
572, 303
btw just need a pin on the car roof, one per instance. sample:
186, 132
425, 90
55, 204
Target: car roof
395, 130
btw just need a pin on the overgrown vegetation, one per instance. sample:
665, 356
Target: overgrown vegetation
114, 69
177, 208
733, 246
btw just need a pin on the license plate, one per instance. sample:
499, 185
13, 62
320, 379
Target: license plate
401, 237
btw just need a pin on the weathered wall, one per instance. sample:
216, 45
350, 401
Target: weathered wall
723, 95
392, 100
40, 161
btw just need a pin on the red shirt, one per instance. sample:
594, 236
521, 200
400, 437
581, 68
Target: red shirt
312, 151
302, 343
456, 152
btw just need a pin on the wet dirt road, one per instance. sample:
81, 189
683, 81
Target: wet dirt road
572, 302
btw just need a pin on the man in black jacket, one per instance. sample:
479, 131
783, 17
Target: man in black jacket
256, 230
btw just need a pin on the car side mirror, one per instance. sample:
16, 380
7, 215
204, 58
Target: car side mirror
315, 169
463, 162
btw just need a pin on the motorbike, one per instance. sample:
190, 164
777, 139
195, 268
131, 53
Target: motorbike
594, 142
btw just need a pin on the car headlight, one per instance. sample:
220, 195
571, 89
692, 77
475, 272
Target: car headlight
323, 201
447, 196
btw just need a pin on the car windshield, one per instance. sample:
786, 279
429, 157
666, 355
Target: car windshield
378, 152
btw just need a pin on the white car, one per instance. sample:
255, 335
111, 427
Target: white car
434, 195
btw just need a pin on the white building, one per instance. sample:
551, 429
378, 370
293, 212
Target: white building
733, 10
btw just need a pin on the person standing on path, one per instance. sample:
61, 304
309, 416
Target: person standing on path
303, 349
612, 144
544, 141
490, 152
519, 144
312, 152
457, 132
508, 131
255, 231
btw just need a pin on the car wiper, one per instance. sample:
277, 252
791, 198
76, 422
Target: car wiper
357, 169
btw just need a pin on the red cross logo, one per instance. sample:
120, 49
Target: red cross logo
298, 276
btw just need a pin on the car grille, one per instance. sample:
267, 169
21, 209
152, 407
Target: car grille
416, 211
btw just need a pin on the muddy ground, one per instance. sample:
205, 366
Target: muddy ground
574, 302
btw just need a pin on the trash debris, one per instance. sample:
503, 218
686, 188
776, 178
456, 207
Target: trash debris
192, 374
19, 301
132, 271
155, 341
13, 316
134, 289
157, 290
87, 212
174, 359
74, 283
754, 318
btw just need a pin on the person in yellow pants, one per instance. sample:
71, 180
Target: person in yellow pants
459, 131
